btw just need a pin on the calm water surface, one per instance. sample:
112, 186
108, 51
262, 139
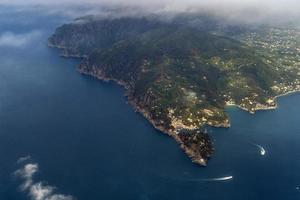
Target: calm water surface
89, 143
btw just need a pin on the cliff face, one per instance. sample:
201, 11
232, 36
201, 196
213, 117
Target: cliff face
179, 77
87, 34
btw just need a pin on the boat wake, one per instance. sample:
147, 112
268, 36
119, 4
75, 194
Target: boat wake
262, 150
220, 179
226, 178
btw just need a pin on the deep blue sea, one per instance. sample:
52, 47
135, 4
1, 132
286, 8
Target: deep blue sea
88, 142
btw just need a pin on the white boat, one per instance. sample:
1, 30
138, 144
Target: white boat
262, 150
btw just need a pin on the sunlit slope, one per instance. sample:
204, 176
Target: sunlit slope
180, 77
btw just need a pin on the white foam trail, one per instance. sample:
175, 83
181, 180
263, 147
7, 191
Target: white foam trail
226, 178
220, 179
262, 150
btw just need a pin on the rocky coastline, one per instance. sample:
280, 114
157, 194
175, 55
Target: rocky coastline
175, 76
189, 142
198, 155
65, 52
260, 107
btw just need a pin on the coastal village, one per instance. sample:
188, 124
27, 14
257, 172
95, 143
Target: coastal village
182, 80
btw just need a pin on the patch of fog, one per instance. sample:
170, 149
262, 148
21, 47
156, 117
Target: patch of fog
17, 40
245, 11
36, 190
23, 159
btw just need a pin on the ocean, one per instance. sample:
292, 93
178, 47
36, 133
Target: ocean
68, 136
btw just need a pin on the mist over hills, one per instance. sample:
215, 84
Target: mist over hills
246, 11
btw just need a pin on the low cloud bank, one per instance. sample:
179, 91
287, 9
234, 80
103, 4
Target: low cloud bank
36, 190
10, 39
249, 11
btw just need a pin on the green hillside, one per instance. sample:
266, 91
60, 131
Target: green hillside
180, 77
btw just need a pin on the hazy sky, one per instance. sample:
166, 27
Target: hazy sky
250, 10
278, 4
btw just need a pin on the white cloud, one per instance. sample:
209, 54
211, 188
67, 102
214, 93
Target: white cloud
23, 159
27, 173
10, 39
240, 10
59, 197
40, 192
172, 3
37, 190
